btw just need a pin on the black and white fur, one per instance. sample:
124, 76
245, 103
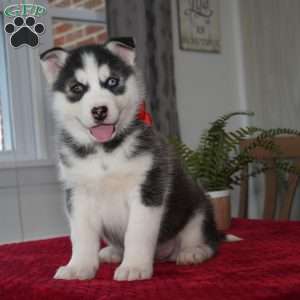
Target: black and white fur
130, 191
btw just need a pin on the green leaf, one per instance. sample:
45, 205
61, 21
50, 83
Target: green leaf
218, 159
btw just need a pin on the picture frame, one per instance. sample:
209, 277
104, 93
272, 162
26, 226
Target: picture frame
199, 25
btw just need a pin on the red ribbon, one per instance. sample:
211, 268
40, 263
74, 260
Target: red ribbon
143, 115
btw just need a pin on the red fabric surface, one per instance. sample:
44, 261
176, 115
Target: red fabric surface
265, 265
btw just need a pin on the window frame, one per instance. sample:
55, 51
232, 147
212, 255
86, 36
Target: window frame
4, 95
32, 125
21, 118
77, 14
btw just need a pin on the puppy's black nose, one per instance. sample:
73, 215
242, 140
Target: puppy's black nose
99, 113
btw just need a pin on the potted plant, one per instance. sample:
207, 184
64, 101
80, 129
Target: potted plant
217, 161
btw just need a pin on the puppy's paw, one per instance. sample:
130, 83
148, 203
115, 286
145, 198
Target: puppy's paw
130, 273
110, 255
70, 272
194, 255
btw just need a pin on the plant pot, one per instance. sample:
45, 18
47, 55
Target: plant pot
222, 211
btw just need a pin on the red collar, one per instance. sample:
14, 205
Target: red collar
143, 115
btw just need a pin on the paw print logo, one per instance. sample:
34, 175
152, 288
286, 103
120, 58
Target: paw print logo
24, 31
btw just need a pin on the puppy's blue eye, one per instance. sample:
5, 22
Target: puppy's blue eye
112, 82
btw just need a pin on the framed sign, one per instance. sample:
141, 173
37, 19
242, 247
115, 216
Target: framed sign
199, 25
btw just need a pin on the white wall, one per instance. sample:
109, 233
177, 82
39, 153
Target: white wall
31, 204
208, 84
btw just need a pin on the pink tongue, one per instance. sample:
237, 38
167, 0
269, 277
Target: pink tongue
102, 133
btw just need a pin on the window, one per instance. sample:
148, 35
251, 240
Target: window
69, 34
95, 5
78, 22
5, 128
26, 129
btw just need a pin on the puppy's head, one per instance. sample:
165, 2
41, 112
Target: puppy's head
96, 92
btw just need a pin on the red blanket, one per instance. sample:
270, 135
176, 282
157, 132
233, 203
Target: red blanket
265, 265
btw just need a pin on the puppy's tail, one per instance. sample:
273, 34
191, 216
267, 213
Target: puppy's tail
232, 238
229, 237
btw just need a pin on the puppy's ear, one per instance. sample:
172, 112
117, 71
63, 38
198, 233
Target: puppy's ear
52, 62
124, 47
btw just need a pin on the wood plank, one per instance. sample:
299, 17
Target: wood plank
270, 191
285, 209
244, 190
289, 145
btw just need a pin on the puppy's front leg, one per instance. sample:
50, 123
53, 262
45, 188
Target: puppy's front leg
140, 241
85, 240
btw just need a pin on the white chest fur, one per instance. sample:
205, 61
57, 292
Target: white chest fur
106, 181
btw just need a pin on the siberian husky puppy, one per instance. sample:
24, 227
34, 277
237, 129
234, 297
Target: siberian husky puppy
122, 180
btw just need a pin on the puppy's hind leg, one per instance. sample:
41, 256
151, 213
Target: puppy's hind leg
193, 247
110, 254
